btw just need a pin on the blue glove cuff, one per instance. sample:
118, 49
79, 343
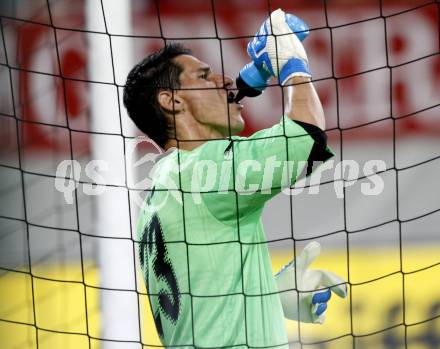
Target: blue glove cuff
294, 65
254, 77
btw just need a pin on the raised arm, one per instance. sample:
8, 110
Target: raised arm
277, 50
273, 158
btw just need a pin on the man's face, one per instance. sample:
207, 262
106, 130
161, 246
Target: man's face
205, 96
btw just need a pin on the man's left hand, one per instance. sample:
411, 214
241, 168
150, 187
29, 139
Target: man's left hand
308, 301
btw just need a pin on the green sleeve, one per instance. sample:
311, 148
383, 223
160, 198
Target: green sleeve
261, 166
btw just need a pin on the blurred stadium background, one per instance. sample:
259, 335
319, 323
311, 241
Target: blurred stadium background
377, 70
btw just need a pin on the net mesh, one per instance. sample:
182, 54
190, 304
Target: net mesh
51, 288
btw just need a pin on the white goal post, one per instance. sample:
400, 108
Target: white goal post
119, 316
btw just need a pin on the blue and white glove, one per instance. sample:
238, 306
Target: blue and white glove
276, 50
307, 305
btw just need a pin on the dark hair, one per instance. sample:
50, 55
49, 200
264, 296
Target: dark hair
156, 72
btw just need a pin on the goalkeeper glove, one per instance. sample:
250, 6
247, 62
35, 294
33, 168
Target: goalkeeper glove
274, 51
307, 305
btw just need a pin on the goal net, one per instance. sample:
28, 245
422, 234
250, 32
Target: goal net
74, 170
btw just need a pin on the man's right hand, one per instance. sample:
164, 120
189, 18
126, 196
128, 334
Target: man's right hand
314, 286
275, 51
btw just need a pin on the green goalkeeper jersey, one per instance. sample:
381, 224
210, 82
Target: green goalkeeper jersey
202, 246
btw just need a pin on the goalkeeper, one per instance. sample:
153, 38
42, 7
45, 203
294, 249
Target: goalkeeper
204, 257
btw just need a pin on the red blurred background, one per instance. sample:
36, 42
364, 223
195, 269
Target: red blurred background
372, 61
